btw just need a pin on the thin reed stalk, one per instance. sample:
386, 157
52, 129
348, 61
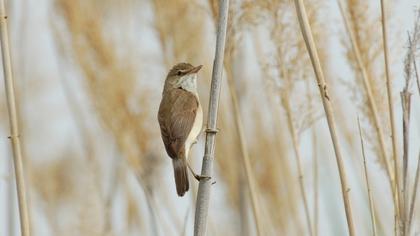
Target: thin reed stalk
413, 196
150, 204
13, 121
389, 94
316, 64
316, 183
203, 195
374, 111
406, 108
249, 176
292, 129
250, 179
315, 169
367, 86
417, 74
413, 40
371, 204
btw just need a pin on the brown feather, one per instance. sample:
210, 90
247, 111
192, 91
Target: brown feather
181, 175
176, 116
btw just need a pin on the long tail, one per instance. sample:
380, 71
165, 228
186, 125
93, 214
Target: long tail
181, 175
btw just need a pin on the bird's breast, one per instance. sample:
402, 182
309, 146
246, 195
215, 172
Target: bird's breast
195, 130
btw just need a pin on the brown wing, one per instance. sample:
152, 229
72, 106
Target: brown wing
180, 107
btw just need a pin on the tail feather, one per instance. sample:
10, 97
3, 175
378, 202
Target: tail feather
181, 175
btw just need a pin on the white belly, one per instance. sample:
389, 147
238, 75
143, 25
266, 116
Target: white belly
195, 130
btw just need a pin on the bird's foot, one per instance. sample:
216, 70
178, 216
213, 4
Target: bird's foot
198, 177
209, 130
201, 177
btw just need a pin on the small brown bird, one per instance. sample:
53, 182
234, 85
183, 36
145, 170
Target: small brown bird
180, 118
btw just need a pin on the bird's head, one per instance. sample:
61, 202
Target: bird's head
181, 74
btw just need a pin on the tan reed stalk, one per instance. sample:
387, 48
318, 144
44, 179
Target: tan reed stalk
249, 176
279, 164
203, 195
243, 206
371, 204
11, 199
292, 129
316, 183
13, 121
406, 110
314, 169
245, 159
417, 74
150, 204
389, 93
316, 64
413, 196
406, 107
372, 106
369, 93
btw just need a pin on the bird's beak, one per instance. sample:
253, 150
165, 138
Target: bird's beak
194, 70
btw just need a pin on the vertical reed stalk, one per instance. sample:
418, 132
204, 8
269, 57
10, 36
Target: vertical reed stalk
371, 101
316, 64
290, 118
417, 74
406, 107
315, 166
371, 204
203, 195
390, 101
150, 204
413, 196
372, 106
316, 184
250, 179
391, 110
13, 121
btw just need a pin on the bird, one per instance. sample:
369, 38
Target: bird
180, 119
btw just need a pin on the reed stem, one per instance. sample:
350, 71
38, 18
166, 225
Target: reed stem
316, 64
371, 204
203, 195
414, 195
374, 110
13, 121
249, 176
292, 129
389, 93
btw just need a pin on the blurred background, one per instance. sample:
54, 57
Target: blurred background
89, 77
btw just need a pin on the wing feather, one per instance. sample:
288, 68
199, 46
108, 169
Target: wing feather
181, 105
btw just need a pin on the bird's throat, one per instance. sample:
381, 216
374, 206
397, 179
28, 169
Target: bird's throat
189, 83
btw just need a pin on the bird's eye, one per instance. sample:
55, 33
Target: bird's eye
179, 72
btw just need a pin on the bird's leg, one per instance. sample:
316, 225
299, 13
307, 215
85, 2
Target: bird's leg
196, 176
